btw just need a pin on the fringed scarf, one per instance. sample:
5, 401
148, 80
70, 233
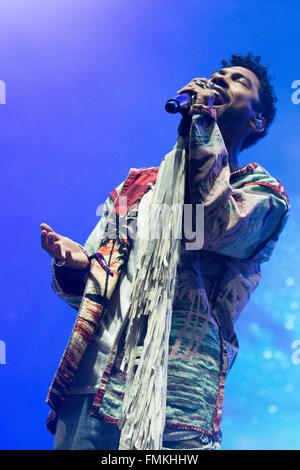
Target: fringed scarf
144, 405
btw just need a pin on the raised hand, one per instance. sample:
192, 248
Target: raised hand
61, 247
204, 94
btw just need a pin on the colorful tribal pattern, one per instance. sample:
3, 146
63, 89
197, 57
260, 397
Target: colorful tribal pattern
202, 442
99, 288
244, 213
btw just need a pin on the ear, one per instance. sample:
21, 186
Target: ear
258, 123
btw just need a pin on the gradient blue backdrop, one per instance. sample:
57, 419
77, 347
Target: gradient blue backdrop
86, 83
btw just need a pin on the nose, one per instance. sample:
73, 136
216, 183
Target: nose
220, 80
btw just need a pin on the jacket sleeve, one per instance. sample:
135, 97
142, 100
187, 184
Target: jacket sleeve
236, 222
69, 284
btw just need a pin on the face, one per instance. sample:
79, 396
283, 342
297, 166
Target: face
236, 96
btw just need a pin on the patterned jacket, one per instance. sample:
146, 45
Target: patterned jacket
244, 213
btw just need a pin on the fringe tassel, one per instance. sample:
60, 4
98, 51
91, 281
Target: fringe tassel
143, 413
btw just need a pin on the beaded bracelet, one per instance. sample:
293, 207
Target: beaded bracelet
101, 260
206, 111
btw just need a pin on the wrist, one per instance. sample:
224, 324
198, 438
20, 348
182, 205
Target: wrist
75, 265
208, 112
75, 272
98, 256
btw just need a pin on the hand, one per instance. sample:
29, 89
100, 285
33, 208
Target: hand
203, 95
60, 247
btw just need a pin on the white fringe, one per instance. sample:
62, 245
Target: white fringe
143, 413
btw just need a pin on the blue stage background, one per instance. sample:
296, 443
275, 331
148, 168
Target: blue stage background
84, 83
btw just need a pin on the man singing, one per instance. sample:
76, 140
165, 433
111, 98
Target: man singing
154, 339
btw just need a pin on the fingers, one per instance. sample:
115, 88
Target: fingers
184, 89
48, 231
46, 227
48, 239
56, 251
44, 240
201, 79
191, 86
68, 257
202, 91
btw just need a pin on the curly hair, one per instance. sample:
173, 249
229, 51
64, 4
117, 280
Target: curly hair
267, 97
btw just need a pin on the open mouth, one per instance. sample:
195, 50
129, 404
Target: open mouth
220, 96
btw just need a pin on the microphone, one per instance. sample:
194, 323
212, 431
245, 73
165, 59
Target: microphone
179, 103
182, 102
